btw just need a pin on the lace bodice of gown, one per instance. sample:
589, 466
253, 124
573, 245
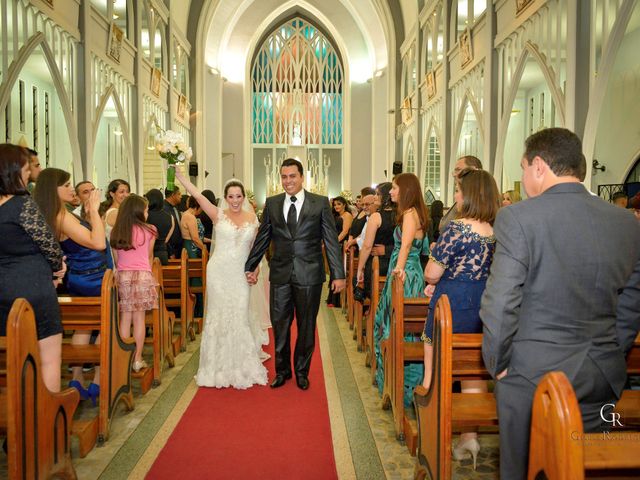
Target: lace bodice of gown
229, 353
233, 242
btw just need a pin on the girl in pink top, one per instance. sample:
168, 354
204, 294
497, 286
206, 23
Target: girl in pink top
132, 242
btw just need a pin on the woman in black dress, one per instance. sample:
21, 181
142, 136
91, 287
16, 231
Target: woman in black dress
163, 222
31, 262
343, 220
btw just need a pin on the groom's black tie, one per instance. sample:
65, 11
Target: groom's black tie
292, 217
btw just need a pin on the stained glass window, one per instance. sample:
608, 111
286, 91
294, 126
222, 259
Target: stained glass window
297, 87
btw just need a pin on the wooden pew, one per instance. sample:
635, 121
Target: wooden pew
175, 287
352, 265
37, 422
161, 320
408, 316
561, 450
196, 268
439, 411
114, 355
369, 343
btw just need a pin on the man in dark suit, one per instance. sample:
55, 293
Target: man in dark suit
463, 163
172, 199
563, 294
297, 222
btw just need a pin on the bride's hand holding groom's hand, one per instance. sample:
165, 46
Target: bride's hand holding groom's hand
252, 277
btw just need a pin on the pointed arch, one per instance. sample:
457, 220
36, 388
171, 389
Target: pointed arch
410, 156
111, 92
469, 99
602, 82
529, 49
25, 52
432, 128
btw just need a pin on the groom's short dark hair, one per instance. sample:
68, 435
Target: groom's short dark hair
292, 162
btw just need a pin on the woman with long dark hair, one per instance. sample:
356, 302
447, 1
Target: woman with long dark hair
30, 260
117, 191
410, 236
84, 244
163, 222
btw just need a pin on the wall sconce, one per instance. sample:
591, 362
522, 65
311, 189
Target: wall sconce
596, 166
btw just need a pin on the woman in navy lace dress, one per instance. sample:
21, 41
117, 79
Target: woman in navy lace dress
458, 267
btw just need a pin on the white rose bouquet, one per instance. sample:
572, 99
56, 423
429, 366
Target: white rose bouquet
172, 147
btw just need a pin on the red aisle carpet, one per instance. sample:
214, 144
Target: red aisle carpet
259, 433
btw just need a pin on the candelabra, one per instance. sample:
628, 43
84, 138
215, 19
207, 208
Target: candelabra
316, 175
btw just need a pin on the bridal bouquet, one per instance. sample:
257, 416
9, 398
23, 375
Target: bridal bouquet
171, 146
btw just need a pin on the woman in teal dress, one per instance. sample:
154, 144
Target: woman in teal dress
410, 242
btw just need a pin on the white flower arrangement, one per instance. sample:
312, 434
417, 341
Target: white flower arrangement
172, 147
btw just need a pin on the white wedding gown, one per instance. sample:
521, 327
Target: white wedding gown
230, 346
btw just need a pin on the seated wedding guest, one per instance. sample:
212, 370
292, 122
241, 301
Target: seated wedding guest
410, 240
84, 245
343, 218
192, 229
463, 163
163, 222
510, 197
379, 233
560, 296
458, 267
83, 191
172, 199
436, 212
34, 169
206, 221
30, 257
117, 191
619, 199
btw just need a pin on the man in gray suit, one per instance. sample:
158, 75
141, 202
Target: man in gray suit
563, 294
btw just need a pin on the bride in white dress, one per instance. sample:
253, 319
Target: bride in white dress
230, 346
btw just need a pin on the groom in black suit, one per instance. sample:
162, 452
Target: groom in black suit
297, 222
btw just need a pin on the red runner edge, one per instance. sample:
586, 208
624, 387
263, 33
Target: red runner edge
265, 433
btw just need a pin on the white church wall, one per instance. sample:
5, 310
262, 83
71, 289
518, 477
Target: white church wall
380, 125
233, 135
361, 135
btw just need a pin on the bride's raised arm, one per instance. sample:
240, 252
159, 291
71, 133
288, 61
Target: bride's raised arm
207, 207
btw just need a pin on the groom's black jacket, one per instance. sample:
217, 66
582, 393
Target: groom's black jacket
300, 254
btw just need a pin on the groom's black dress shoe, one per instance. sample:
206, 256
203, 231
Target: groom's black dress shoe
302, 382
280, 380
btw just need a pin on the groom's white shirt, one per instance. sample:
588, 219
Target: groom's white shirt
287, 203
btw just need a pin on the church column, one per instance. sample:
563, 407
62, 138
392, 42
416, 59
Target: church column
490, 95
84, 98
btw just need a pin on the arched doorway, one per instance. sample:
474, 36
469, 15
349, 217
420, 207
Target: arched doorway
532, 104
36, 109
